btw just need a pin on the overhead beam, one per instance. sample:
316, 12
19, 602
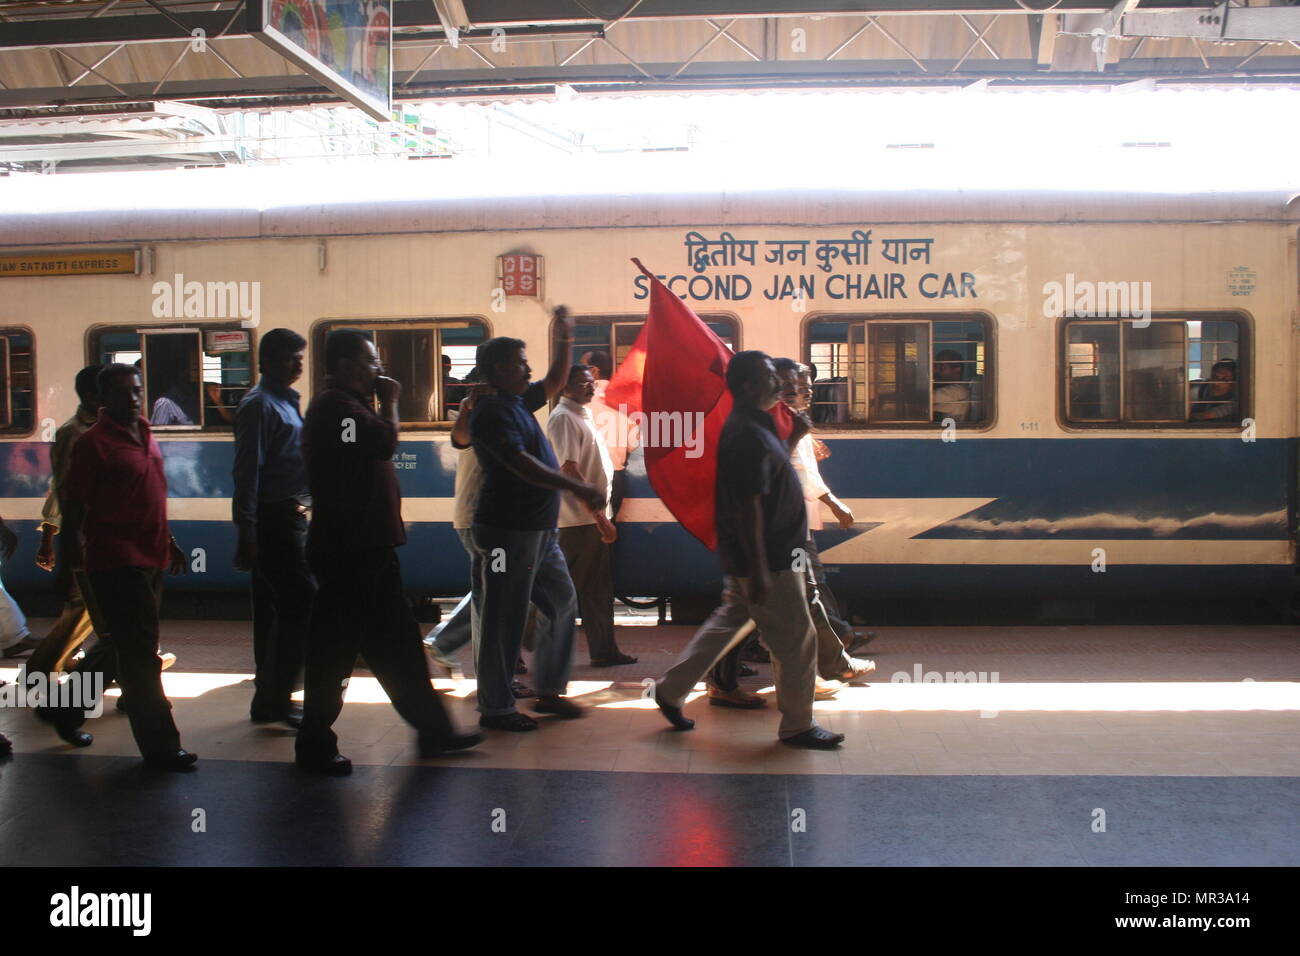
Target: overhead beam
301, 90
415, 20
1276, 24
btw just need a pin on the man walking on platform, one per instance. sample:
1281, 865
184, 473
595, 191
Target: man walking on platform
514, 530
73, 626
586, 533
270, 510
762, 528
116, 493
360, 605
833, 661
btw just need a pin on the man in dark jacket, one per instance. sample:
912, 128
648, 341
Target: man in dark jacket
356, 528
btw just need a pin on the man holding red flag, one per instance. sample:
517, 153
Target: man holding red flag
761, 529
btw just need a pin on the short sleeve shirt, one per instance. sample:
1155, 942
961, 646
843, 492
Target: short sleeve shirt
503, 425
574, 438
752, 460
119, 482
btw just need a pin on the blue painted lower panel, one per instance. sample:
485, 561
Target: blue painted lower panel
1195, 491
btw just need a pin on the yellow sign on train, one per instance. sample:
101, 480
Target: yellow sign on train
68, 263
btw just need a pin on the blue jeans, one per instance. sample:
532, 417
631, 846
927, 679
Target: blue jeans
519, 566
463, 623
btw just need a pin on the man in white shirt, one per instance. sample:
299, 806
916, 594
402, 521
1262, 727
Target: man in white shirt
621, 437
952, 396
585, 535
833, 661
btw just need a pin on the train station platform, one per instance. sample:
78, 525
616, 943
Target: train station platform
1069, 745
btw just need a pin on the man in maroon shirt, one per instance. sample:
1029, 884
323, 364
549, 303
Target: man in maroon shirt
360, 605
116, 493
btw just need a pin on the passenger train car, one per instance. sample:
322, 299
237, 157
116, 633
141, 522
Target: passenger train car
1071, 394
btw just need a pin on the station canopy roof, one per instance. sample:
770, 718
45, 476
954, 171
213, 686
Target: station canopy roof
124, 84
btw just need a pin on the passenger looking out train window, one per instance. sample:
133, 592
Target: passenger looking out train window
890, 370
193, 377
1120, 373
1217, 398
952, 396
430, 357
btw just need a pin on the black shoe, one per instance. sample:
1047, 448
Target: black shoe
74, 736
560, 707
521, 691
448, 743
514, 722
615, 661
170, 760
744, 670
818, 738
6, 746
291, 717
674, 715
521, 667
335, 766
66, 732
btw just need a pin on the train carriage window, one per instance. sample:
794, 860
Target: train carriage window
887, 370
615, 335
430, 357
193, 376
17, 382
1173, 371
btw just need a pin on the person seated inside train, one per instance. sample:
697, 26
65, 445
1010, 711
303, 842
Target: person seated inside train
453, 390
952, 396
1216, 398
178, 405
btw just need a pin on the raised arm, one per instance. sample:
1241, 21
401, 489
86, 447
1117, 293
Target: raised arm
562, 351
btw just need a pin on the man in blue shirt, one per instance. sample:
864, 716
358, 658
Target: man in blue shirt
515, 531
270, 510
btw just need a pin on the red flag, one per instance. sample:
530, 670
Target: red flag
678, 365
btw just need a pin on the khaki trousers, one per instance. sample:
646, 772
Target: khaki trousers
787, 629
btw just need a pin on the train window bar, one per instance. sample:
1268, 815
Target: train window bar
6, 409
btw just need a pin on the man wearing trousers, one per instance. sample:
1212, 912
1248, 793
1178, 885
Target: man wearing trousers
514, 530
762, 528
586, 534
833, 660
360, 606
270, 510
116, 493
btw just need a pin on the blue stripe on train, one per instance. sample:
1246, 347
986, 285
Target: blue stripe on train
1091, 482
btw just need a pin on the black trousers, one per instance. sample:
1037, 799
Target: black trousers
283, 589
360, 608
128, 601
